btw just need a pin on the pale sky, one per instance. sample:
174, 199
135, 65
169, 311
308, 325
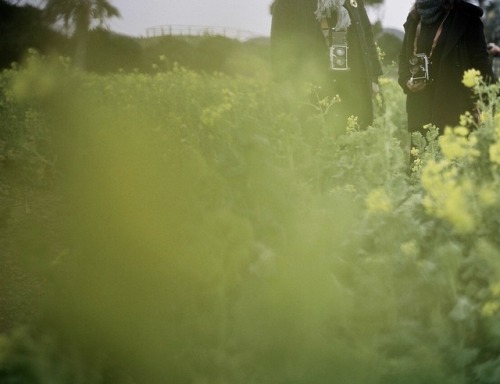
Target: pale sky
250, 15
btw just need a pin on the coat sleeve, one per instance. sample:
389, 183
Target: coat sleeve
376, 67
403, 62
476, 47
283, 56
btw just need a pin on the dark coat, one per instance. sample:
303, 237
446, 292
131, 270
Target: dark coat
462, 46
300, 54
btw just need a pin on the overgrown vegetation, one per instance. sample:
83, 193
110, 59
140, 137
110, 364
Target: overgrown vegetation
199, 228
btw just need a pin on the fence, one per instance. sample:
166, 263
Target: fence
197, 30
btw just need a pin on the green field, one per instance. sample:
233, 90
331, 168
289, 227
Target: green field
181, 227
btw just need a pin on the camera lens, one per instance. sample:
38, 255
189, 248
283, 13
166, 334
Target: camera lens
339, 62
414, 60
340, 51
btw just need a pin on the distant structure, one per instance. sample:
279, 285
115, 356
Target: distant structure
198, 30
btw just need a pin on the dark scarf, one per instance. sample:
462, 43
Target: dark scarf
429, 10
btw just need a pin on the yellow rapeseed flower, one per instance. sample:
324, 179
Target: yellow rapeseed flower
324, 102
456, 211
384, 80
455, 144
487, 196
466, 119
352, 124
495, 290
417, 165
490, 308
451, 148
409, 248
378, 201
471, 78
447, 199
495, 153
433, 176
461, 131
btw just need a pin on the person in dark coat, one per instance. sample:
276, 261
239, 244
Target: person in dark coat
300, 53
494, 51
450, 33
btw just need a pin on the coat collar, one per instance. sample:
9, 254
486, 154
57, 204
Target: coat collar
455, 27
456, 24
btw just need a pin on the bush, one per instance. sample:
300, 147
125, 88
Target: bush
108, 52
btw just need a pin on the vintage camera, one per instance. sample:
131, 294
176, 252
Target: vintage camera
338, 51
419, 67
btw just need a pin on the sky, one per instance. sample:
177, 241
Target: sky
248, 15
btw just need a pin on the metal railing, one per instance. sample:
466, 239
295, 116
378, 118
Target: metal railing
200, 30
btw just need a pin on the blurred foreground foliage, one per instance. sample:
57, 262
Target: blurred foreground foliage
191, 228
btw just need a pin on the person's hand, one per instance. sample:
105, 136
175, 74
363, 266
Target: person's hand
493, 49
415, 85
375, 89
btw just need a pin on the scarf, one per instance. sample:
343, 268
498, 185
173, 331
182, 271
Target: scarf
327, 7
429, 10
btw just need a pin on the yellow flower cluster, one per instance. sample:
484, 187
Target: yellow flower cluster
492, 307
494, 150
453, 191
472, 78
210, 115
324, 103
466, 120
447, 198
377, 201
409, 248
495, 290
352, 124
487, 196
455, 144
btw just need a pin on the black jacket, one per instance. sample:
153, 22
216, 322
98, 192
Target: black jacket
461, 47
300, 54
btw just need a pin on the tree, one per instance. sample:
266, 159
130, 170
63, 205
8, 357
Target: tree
21, 28
78, 16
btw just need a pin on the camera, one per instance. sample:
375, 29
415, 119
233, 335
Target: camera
419, 67
338, 51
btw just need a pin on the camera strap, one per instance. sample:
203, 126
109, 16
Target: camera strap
325, 28
436, 37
